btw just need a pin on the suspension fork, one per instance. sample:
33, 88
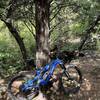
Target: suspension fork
64, 70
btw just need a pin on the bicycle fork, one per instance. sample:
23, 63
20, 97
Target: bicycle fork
65, 72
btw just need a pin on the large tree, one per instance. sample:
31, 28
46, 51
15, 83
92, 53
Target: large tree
42, 8
7, 18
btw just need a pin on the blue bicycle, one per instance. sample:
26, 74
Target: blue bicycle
29, 83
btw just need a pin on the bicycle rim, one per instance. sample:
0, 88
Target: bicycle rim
14, 90
73, 83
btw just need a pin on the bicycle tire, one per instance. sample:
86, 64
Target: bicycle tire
14, 79
71, 79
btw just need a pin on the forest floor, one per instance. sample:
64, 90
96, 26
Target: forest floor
90, 88
90, 68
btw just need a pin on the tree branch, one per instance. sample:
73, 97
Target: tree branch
29, 29
60, 6
51, 30
88, 32
32, 24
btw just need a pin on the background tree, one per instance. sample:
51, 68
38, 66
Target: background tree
64, 21
8, 20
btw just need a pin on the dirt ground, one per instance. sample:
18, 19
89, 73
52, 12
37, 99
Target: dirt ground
90, 88
90, 68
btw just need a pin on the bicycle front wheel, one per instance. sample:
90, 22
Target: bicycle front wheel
71, 79
14, 91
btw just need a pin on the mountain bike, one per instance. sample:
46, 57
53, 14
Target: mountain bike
31, 82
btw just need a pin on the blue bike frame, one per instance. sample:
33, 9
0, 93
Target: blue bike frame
42, 78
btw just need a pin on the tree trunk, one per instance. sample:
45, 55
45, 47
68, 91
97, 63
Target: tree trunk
17, 37
14, 32
42, 32
88, 32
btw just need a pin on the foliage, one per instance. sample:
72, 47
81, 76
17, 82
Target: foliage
69, 20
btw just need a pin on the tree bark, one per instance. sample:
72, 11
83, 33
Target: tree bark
42, 32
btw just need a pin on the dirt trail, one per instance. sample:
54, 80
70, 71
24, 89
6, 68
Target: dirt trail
90, 67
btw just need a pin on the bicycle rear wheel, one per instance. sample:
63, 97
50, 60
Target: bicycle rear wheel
72, 83
14, 91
